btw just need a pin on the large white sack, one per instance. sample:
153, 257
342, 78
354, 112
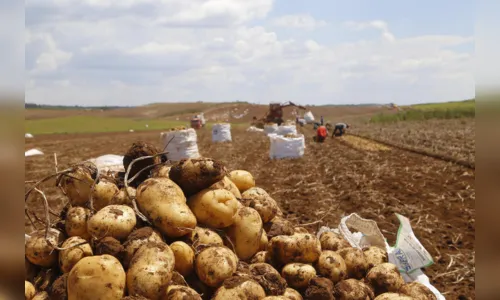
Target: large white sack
221, 132
108, 162
33, 152
254, 129
282, 147
183, 144
270, 128
287, 129
308, 116
28, 136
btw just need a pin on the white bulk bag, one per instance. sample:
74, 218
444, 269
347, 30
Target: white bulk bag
33, 152
254, 129
221, 132
282, 147
287, 129
108, 163
28, 136
181, 144
308, 116
270, 128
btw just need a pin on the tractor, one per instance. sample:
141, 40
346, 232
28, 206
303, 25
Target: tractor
275, 114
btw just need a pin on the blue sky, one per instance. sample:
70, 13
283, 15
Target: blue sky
113, 52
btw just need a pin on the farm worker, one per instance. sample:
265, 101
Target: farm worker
321, 120
339, 129
321, 134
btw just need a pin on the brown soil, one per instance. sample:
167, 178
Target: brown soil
320, 289
438, 197
111, 246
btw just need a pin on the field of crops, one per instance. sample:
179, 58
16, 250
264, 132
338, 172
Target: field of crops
349, 175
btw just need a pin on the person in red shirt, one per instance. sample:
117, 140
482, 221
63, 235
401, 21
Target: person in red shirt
321, 134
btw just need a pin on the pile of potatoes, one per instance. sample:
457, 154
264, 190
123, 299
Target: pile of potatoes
208, 234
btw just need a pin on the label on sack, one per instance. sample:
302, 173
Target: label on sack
409, 254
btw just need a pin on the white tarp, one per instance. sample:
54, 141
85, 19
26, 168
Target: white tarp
282, 147
308, 116
181, 144
108, 163
221, 132
254, 129
270, 128
287, 129
28, 136
408, 254
33, 152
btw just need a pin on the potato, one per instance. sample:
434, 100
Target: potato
150, 270
39, 252
184, 257
352, 289
116, 221
300, 230
215, 264
29, 290
269, 278
96, 278
242, 179
417, 291
204, 236
263, 241
320, 289
78, 183
243, 288
226, 184
215, 208
179, 292
76, 222
140, 149
160, 171
194, 175
58, 290
275, 298
246, 232
278, 226
111, 246
332, 241
121, 198
164, 204
102, 193
332, 266
41, 296
292, 294
393, 296
260, 257
385, 278
298, 275
260, 200
30, 270
300, 247
375, 256
355, 262
69, 257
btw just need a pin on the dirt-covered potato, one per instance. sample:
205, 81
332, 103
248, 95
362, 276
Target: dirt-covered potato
260, 200
78, 183
263, 241
103, 192
320, 289
111, 246
298, 275
164, 204
260, 257
332, 241
39, 252
204, 236
194, 175
69, 257
332, 266
184, 257
43, 295
140, 149
292, 294
353, 289
275, 298
242, 179
160, 171
116, 221
385, 278
96, 277
375, 256
150, 270
226, 184
58, 290
214, 208
300, 247
179, 292
215, 264
30, 270
29, 290
76, 222
300, 230
355, 262
121, 197
278, 226
243, 288
269, 278
393, 296
246, 232
417, 291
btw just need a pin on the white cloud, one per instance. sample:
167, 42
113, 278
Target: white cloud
299, 21
134, 52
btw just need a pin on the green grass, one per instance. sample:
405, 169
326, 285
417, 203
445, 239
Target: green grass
422, 112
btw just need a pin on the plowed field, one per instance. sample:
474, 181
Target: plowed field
438, 197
